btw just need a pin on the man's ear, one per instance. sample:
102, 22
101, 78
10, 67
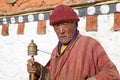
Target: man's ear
77, 24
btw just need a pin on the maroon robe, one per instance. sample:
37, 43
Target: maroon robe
82, 59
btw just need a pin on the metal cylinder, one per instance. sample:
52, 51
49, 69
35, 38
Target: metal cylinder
32, 49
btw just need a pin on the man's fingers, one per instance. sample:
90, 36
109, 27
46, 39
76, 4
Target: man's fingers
31, 61
32, 69
32, 66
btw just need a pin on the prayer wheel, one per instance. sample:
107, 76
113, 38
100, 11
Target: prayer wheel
32, 50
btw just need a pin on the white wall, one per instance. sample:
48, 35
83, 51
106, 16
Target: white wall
13, 48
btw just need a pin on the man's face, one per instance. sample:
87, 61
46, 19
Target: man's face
65, 31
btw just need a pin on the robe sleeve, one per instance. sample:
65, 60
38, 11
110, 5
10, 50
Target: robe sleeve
45, 74
106, 69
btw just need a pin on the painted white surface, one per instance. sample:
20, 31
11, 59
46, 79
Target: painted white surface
13, 48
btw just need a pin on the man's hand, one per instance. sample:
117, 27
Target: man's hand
33, 67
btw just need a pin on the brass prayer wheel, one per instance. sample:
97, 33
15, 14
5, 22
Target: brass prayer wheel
32, 49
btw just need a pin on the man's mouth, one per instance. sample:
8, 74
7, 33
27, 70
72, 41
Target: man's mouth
63, 36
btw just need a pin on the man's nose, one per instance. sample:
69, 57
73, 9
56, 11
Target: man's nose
62, 29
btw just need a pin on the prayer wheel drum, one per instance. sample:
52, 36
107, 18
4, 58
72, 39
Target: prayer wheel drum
32, 49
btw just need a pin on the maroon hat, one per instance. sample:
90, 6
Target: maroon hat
63, 13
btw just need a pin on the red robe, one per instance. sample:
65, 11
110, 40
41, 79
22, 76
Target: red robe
82, 59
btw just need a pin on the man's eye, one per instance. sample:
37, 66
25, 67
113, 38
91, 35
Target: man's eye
64, 23
55, 25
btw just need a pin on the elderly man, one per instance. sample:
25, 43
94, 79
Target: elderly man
76, 57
